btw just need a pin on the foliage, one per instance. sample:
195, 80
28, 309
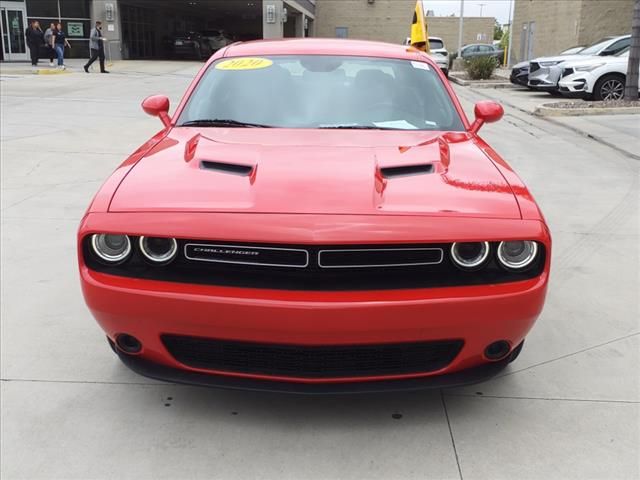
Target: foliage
504, 41
480, 68
497, 31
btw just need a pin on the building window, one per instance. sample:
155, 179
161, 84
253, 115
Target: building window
342, 32
39, 9
75, 8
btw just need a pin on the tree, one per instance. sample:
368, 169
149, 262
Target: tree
631, 90
497, 31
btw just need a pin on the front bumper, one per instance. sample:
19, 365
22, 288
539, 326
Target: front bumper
575, 85
478, 315
544, 78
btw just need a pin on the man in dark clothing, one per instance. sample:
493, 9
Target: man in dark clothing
35, 39
96, 44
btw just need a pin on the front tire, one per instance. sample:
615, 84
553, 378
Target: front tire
609, 87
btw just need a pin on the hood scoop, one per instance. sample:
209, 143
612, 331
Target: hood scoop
406, 170
230, 168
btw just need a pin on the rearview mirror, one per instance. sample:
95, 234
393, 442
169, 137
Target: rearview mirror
157, 106
486, 111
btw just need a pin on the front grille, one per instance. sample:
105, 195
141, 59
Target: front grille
317, 267
567, 71
533, 66
312, 361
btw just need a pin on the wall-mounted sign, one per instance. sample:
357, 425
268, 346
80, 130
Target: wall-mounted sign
271, 14
109, 12
75, 29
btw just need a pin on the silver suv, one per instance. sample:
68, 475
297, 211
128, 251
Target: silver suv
545, 72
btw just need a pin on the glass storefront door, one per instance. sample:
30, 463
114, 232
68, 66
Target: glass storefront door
13, 18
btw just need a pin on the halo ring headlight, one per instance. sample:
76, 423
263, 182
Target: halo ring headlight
158, 249
470, 255
111, 248
516, 255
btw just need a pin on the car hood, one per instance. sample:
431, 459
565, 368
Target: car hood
562, 58
595, 60
316, 172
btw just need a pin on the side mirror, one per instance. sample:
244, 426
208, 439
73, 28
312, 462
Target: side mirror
486, 111
157, 106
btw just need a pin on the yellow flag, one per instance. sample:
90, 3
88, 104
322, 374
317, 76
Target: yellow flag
419, 37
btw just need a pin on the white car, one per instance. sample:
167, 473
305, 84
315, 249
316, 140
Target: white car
438, 53
596, 78
544, 72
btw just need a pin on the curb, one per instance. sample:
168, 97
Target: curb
479, 83
38, 71
547, 111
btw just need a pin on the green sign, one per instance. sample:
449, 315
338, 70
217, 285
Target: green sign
75, 29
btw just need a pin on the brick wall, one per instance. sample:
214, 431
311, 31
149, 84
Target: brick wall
601, 18
447, 29
563, 24
383, 20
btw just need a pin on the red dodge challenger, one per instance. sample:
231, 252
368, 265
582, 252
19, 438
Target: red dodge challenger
317, 216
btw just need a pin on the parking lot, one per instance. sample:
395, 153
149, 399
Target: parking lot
569, 407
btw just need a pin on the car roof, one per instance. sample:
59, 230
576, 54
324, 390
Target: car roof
321, 46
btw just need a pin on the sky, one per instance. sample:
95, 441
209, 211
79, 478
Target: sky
491, 8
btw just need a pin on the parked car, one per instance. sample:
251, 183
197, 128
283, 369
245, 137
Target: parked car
265, 240
191, 45
520, 71
475, 50
438, 52
599, 78
216, 39
544, 72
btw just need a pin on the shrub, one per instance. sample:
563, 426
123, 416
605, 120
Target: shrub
480, 68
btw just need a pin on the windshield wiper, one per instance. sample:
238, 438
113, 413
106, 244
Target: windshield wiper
357, 127
220, 122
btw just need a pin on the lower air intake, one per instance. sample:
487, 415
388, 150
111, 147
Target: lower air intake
312, 361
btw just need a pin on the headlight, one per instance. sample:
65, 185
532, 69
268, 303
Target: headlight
587, 68
517, 255
111, 248
470, 254
548, 64
158, 250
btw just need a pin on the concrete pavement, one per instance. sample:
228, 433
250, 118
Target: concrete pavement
569, 407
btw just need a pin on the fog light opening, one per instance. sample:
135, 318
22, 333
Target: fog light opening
497, 350
128, 344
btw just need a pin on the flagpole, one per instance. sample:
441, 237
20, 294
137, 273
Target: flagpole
460, 29
510, 35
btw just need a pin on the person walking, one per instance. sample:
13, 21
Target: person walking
48, 41
96, 44
35, 39
60, 41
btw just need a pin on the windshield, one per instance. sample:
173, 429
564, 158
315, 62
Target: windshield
435, 43
317, 91
595, 48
